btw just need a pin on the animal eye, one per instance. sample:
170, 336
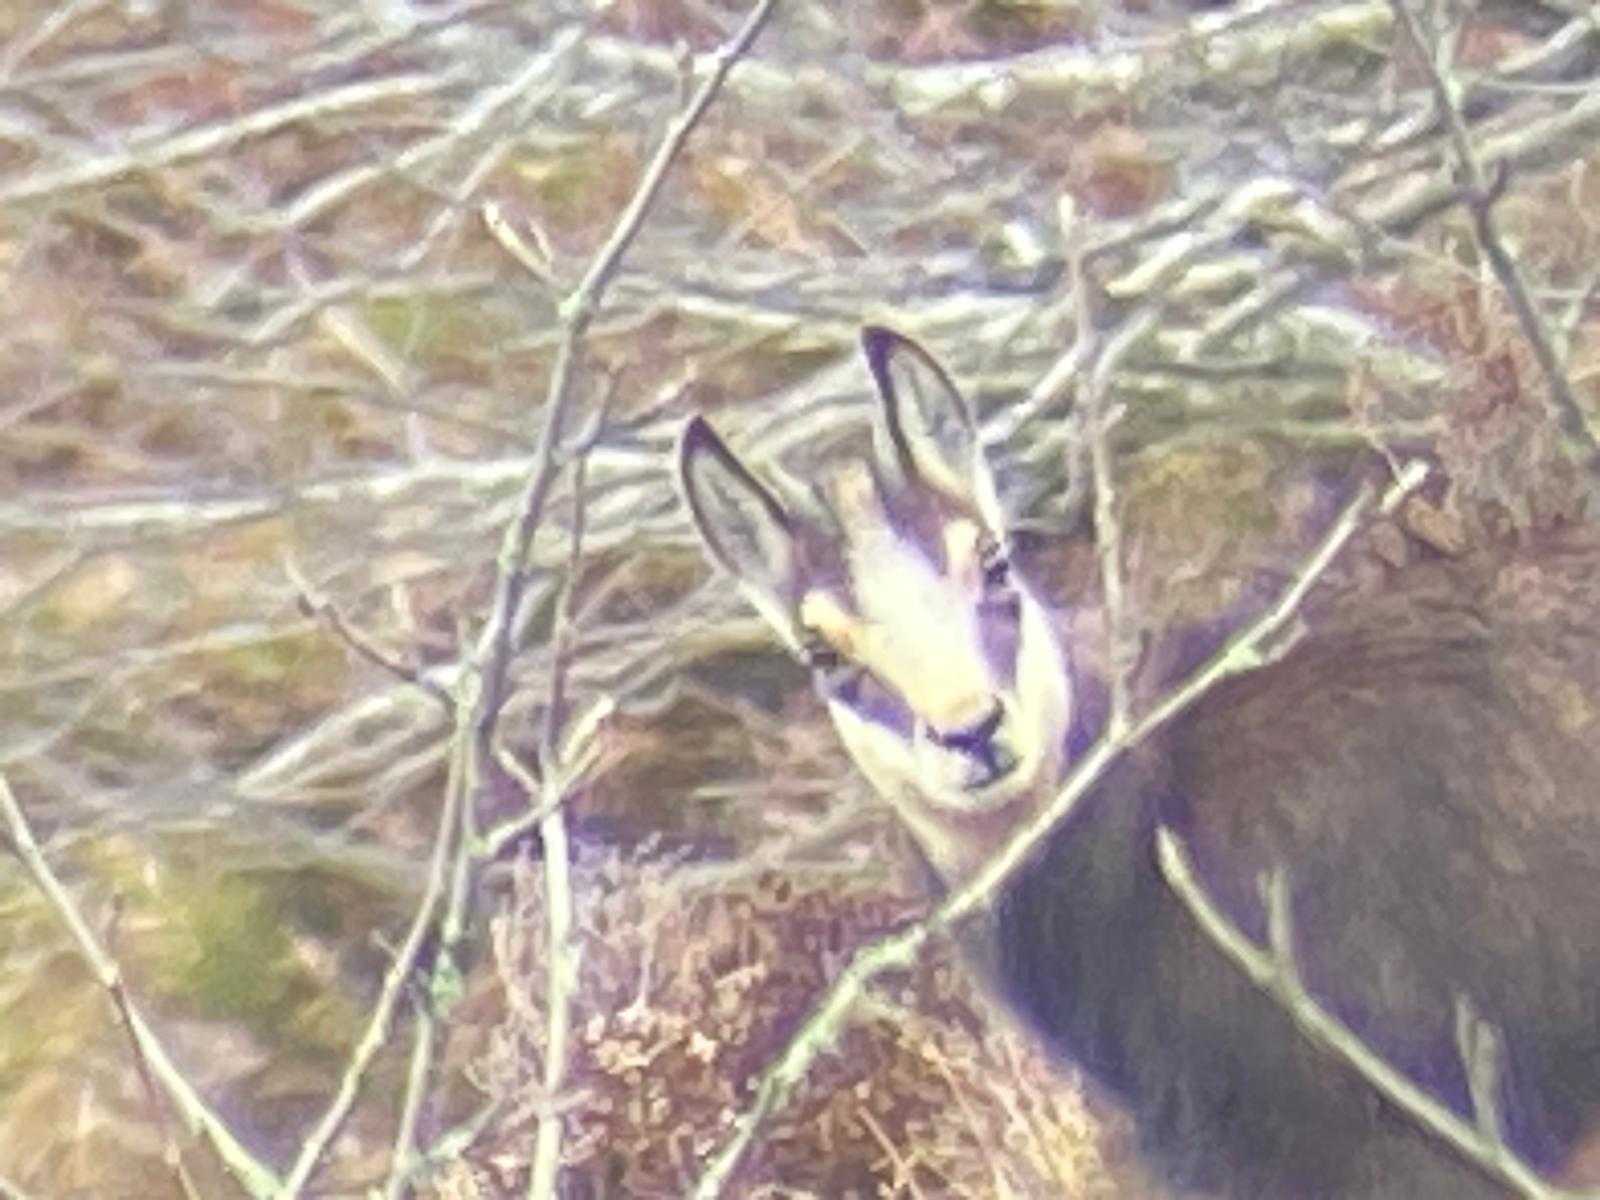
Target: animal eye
996, 566
834, 675
821, 657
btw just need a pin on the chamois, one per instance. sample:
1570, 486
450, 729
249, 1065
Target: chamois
1423, 763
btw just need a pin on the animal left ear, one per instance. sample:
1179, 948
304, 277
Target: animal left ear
743, 526
932, 431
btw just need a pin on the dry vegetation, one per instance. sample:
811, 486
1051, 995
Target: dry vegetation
688, 988
287, 300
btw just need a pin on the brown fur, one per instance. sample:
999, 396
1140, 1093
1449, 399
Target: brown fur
1424, 764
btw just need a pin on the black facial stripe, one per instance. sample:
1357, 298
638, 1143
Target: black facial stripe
868, 697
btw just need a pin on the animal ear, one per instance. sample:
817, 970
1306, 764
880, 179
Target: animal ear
744, 527
932, 431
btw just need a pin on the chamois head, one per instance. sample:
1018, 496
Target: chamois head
941, 669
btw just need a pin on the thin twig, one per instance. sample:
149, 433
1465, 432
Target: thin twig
214, 139
536, 259
1244, 652
1273, 971
1482, 191
482, 692
1478, 1046
200, 1121
171, 1152
56, 19
578, 311
1582, 296
1106, 354
451, 1145
424, 1041
337, 189
315, 604
400, 972
562, 971
905, 1168
1400, 209
493, 655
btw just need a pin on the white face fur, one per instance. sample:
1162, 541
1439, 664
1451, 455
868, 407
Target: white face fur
941, 669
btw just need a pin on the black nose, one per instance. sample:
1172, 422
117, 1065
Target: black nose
976, 740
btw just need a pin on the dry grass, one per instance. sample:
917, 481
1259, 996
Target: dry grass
686, 990
300, 343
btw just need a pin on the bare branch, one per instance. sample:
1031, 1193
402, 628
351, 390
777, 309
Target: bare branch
1483, 188
494, 652
578, 311
561, 976
1479, 1047
536, 260
819, 1030
213, 139
197, 1117
171, 1152
1273, 971
402, 968
314, 604
1104, 356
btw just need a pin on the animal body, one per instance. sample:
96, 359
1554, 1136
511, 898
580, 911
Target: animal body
1424, 764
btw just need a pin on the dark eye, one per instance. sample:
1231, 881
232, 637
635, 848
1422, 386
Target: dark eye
821, 657
996, 566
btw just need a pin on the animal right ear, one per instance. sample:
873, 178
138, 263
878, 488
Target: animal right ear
744, 527
931, 429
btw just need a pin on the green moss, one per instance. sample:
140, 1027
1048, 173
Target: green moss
226, 949
427, 330
264, 662
571, 184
